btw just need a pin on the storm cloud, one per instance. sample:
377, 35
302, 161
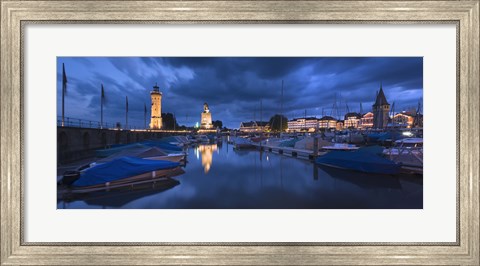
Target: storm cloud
236, 88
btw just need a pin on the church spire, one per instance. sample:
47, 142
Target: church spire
381, 99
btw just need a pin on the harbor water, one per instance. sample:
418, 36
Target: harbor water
219, 177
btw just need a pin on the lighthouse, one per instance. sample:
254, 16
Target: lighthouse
156, 119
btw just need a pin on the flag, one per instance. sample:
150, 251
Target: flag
103, 93
64, 79
145, 108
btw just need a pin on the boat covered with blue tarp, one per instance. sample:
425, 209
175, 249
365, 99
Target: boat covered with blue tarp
368, 160
380, 137
162, 145
124, 168
116, 148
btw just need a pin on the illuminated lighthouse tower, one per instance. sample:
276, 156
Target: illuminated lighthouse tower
156, 120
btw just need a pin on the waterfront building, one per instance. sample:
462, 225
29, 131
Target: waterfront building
403, 119
206, 118
309, 124
327, 122
339, 125
380, 110
254, 126
367, 121
352, 120
156, 117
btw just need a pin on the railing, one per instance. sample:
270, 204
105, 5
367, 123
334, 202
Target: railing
409, 155
84, 123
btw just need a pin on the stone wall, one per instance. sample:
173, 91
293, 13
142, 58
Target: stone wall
79, 143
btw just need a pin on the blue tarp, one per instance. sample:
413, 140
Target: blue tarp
383, 136
168, 139
116, 148
364, 160
120, 168
162, 145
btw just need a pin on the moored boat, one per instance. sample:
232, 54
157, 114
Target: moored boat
340, 147
408, 152
242, 143
122, 171
202, 138
366, 160
150, 153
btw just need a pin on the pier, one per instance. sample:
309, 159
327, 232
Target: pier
289, 151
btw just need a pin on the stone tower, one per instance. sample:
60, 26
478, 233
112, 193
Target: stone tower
380, 109
206, 118
156, 119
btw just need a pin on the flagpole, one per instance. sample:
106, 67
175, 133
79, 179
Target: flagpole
64, 88
101, 108
145, 115
126, 112
281, 111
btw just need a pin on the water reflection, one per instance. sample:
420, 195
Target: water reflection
206, 151
249, 179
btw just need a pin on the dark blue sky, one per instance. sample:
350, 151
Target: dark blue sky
234, 86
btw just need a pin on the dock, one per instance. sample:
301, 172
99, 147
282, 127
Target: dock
288, 151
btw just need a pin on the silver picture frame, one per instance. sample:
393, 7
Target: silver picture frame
16, 14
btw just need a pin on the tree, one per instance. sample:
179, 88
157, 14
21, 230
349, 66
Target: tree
169, 121
217, 123
278, 120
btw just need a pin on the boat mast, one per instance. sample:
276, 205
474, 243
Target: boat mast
305, 120
393, 114
281, 110
261, 116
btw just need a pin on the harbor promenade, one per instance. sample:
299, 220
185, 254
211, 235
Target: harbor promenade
77, 143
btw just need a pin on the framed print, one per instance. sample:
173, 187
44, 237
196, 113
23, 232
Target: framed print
240, 132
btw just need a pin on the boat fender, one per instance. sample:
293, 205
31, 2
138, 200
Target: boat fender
153, 174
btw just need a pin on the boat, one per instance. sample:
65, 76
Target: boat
409, 152
288, 142
191, 139
121, 171
350, 137
165, 146
307, 143
412, 146
367, 160
149, 153
120, 193
384, 137
341, 147
258, 139
115, 149
179, 141
242, 143
202, 139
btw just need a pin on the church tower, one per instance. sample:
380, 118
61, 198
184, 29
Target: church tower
380, 109
156, 119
